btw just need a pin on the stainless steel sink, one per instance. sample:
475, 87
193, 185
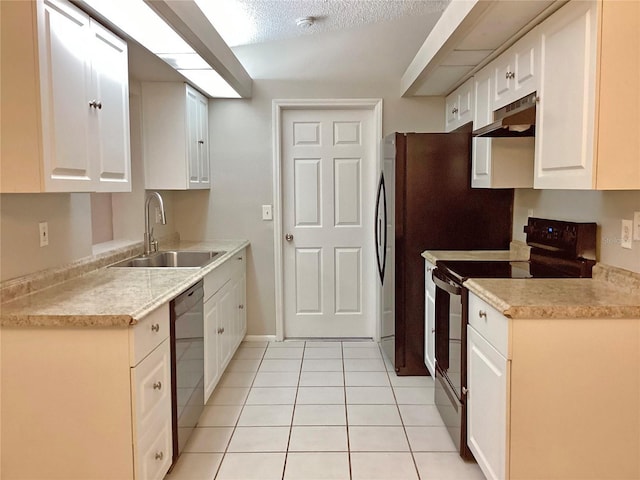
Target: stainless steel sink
171, 259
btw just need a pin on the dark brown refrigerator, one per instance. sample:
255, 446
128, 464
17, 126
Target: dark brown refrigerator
426, 201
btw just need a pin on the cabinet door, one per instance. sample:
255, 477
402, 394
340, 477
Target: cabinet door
151, 397
487, 383
240, 327
430, 320
482, 115
566, 109
110, 81
197, 139
526, 60
459, 106
211, 326
228, 312
65, 83
203, 142
503, 75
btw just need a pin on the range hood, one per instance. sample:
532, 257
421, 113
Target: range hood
517, 119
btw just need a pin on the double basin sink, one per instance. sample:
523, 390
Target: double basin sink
171, 259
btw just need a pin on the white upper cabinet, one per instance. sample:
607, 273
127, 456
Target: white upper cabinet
111, 88
65, 88
497, 162
514, 72
459, 106
175, 137
587, 121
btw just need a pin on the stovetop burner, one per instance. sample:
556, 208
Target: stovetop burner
462, 270
558, 250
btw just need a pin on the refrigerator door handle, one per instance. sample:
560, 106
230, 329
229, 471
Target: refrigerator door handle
381, 228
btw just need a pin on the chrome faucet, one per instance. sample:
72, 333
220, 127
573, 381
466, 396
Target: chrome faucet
150, 243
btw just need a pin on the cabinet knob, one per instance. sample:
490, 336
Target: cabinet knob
509, 75
159, 455
433, 330
241, 307
239, 258
157, 386
455, 110
155, 327
288, 237
428, 269
95, 104
465, 390
482, 314
201, 142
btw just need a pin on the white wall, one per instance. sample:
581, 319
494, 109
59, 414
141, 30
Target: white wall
241, 153
607, 209
69, 218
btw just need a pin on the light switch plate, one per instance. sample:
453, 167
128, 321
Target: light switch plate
636, 225
267, 212
626, 234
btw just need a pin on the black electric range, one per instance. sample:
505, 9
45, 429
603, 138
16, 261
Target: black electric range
558, 250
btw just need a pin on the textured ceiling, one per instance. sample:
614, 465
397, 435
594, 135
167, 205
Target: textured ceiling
244, 22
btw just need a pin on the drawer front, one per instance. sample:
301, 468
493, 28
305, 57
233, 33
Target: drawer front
148, 334
215, 280
151, 387
489, 323
154, 451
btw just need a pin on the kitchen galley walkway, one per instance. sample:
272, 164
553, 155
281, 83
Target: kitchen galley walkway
311, 410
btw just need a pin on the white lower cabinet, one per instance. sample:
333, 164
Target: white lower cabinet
99, 401
151, 392
533, 411
486, 405
429, 319
224, 318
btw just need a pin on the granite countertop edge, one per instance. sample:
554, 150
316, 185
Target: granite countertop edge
600, 300
25, 311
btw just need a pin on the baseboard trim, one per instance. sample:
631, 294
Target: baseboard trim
259, 338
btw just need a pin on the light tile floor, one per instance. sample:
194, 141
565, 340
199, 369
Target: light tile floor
320, 410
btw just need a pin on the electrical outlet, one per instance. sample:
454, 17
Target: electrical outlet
627, 234
267, 212
43, 227
636, 225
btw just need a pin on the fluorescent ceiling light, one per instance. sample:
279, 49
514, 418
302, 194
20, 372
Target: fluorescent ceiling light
141, 23
210, 81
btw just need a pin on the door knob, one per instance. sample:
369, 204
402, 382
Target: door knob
288, 237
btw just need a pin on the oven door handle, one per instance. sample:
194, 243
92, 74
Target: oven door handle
444, 284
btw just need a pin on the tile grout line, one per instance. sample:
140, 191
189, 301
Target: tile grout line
244, 403
293, 412
404, 427
346, 410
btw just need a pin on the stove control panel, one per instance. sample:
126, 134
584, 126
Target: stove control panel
562, 239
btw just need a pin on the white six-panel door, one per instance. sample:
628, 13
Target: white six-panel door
328, 190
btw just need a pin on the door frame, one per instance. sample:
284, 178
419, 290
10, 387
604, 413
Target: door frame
278, 108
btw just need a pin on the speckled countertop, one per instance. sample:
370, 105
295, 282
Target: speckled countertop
556, 298
111, 297
434, 255
517, 251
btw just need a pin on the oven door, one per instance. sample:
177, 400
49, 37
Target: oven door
449, 329
451, 358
